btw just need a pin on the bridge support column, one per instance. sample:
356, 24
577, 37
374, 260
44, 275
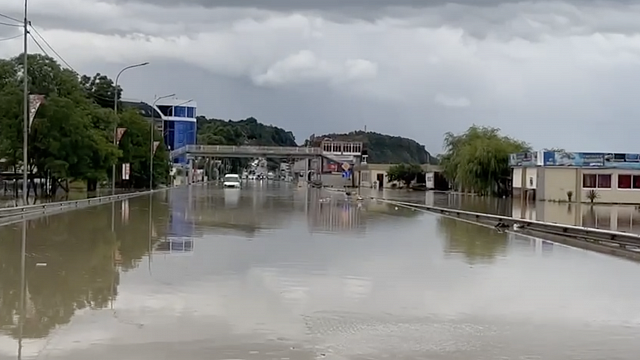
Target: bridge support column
190, 169
306, 172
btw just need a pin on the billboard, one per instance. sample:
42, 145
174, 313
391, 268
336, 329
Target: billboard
592, 159
524, 159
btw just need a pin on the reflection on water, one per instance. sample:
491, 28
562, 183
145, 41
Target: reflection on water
231, 197
608, 217
477, 244
274, 272
72, 263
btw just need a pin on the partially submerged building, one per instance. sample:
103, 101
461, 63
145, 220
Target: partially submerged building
575, 176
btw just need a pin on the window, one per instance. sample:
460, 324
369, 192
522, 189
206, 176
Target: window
628, 181
604, 181
166, 110
596, 181
624, 181
589, 181
180, 111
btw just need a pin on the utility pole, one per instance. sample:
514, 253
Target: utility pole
25, 120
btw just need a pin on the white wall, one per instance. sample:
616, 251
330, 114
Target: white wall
531, 177
430, 180
517, 177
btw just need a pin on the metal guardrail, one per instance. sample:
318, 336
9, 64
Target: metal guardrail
619, 238
251, 150
65, 205
34, 211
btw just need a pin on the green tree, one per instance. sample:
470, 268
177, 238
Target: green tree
242, 132
10, 125
404, 173
71, 137
64, 141
64, 144
478, 160
101, 89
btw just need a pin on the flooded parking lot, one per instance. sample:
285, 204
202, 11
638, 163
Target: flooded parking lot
278, 272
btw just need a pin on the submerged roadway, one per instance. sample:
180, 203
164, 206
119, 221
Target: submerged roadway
273, 271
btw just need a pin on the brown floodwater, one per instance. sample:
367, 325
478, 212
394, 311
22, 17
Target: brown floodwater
274, 271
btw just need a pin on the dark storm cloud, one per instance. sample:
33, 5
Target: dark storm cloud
333, 5
500, 19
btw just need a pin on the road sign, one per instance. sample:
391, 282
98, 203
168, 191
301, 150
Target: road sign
126, 171
346, 166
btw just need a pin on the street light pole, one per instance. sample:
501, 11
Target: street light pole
25, 120
115, 126
153, 113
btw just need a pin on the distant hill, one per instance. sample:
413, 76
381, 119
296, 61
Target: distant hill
242, 132
385, 149
382, 149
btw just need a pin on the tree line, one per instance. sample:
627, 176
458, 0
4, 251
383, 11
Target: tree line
71, 136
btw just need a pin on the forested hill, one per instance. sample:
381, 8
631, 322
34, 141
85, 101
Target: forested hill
385, 149
242, 132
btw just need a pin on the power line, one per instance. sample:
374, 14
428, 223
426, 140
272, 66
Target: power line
52, 49
10, 18
37, 43
95, 96
11, 38
7, 24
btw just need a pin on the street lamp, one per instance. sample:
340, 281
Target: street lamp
115, 126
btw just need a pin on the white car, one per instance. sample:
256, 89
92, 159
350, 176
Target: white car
231, 181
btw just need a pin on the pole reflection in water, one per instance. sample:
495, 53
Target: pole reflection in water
23, 283
150, 232
113, 216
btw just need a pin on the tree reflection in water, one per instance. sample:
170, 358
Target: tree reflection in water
478, 244
70, 265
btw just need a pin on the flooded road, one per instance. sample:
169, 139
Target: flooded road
278, 272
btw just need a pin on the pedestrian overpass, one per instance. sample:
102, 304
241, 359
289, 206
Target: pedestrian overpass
335, 151
226, 151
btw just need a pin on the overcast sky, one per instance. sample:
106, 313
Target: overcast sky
555, 74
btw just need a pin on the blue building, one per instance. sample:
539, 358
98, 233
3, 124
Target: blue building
175, 118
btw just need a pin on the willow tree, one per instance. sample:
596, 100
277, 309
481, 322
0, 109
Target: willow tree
478, 159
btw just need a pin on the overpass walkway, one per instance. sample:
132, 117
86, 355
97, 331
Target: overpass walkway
250, 151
